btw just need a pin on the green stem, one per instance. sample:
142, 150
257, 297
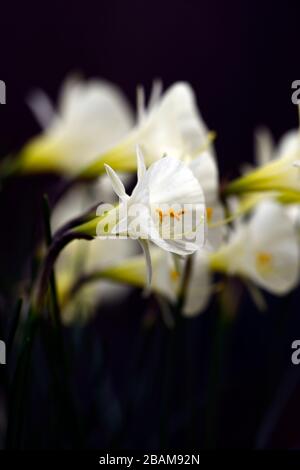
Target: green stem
18, 393
48, 236
54, 250
221, 330
173, 343
55, 344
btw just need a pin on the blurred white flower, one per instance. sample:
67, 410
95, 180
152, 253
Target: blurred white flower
167, 278
199, 287
277, 173
265, 152
166, 207
80, 258
171, 125
204, 168
92, 116
264, 249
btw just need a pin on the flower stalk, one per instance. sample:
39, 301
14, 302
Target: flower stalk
56, 247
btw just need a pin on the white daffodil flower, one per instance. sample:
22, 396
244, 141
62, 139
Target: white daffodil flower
264, 250
171, 125
266, 152
92, 116
166, 207
279, 172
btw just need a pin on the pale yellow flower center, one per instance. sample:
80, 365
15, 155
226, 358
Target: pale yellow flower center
174, 275
264, 261
209, 213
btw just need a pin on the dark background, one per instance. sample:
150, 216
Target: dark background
241, 58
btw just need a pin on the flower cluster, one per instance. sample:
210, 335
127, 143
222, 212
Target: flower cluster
193, 236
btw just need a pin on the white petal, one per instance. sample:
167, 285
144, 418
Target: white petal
140, 99
217, 233
272, 232
155, 94
171, 181
264, 146
93, 116
205, 170
199, 286
141, 167
173, 126
42, 108
116, 183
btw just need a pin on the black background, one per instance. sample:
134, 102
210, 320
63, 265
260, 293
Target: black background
241, 58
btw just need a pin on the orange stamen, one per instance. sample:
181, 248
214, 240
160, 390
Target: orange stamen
209, 213
174, 275
264, 259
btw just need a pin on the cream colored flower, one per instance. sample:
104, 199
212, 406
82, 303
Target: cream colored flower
166, 207
167, 278
278, 174
92, 116
265, 250
171, 126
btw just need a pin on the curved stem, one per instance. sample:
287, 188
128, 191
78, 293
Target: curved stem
56, 247
85, 217
79, 283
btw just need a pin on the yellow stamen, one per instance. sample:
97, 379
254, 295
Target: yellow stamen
209, 213
161, 214
171, 212
264, 260
175, 214
174, 275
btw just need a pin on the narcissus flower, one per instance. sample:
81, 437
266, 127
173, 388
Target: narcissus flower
171, 126
279, 175
166, 207
92, 116
265, 153
265, 250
